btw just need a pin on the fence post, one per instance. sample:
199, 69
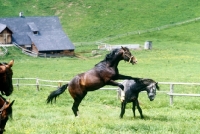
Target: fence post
171, 91
37, 84
59, 84
17, 84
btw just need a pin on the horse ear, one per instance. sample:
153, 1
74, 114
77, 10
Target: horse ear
11, 103
11, 63
157, 86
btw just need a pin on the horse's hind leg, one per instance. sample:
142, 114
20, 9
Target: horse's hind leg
77, 102
75, 106
139, 109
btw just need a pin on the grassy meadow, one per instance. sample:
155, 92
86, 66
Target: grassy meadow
99, 111
174, 58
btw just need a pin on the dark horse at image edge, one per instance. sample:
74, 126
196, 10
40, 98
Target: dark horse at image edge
6, 88
103, 73
6, 73
5, 112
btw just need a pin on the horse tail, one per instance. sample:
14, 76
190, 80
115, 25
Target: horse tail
56, 93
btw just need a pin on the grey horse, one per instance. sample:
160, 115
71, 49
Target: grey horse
131, 92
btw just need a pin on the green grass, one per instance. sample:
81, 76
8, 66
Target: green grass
99, 111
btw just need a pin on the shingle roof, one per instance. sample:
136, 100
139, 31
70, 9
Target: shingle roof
2, 27
21, 39
50, 36
32, 26
44, 42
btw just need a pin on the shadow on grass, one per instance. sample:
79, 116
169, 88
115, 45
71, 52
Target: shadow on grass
149, 118
158, 118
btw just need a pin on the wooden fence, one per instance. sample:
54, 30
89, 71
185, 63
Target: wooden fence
4, 51
28, 52
38, 83
171, 90
104, 46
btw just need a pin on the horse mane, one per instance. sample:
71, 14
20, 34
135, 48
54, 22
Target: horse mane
109, 56
147, 81
114, 51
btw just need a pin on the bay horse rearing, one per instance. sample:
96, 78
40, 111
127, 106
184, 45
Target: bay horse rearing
103, 73
6, 73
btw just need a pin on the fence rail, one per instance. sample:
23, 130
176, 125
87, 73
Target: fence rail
37, 82
57, 83
28, 52
111, 47
171, 90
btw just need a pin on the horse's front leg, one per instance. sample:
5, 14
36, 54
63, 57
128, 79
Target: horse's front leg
139, 109
123, 77
123, 107
114, 83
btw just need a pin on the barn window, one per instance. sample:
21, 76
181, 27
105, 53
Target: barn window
33, 28
35, 32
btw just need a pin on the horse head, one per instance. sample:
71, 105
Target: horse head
6, 73
151, 90
127, 56
5, 112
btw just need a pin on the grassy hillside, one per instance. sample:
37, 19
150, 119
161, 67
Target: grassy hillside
174, 49
91, 20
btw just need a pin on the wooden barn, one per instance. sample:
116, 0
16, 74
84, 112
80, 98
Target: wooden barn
5, 34
37, 34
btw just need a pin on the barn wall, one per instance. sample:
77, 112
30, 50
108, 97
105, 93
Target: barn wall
34, 48
6, 36
58, 53
68, 52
